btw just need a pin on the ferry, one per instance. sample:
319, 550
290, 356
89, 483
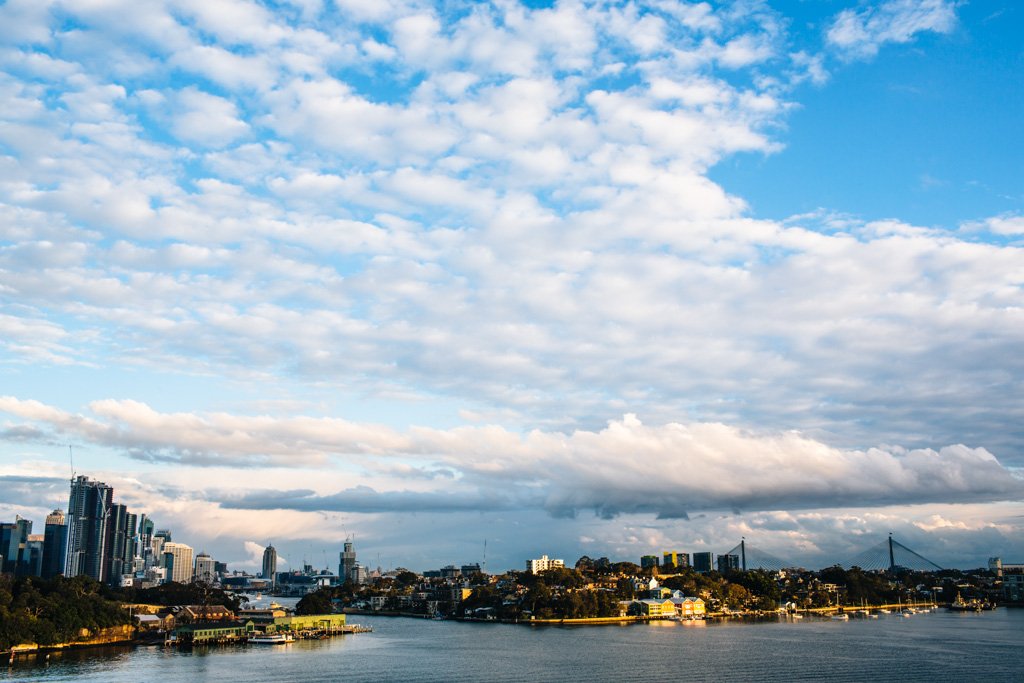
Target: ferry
272, 639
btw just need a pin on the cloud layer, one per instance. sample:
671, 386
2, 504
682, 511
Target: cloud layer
668, 470
281, 235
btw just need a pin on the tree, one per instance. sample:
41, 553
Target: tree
317, 602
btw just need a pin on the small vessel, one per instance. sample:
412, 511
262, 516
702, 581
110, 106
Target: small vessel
840, 617
961, 605
272, 639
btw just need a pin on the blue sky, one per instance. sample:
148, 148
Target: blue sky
575, 277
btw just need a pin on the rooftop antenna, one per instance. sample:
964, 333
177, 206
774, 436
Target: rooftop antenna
71, 457
484, 568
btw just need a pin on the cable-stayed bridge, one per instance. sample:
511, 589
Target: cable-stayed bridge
749, 557
888, 555
891, 555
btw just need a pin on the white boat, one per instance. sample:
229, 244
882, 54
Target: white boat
841, 617
272, 639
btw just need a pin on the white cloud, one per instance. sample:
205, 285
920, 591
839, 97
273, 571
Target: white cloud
1007, 224
669, 470
860, 33
206, 119
504, 212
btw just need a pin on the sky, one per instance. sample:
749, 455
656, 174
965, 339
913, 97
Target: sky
481, 281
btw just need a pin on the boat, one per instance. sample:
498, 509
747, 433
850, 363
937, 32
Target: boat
840, 617
961, 605
271, 639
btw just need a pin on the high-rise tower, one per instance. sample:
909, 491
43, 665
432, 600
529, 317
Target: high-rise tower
346, 562
270, 565
177, 561
87, 528
14, 546
55, 542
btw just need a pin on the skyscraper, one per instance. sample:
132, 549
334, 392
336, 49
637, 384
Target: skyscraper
145, 541
703, 562
728, 563
117, 544
206, 569
55, 541
270, 565
87, 518
14, 546
346, 562
178, 562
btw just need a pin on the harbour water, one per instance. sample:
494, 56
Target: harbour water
933, 647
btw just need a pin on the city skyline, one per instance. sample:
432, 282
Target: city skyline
574, 278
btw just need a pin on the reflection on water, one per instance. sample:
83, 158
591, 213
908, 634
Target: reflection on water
930, 647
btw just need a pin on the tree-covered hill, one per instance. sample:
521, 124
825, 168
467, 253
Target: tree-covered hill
47, 612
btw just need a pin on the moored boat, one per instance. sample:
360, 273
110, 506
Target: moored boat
271, 639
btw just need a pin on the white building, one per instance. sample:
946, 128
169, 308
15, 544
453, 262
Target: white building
206, 569
544, 563
178, 562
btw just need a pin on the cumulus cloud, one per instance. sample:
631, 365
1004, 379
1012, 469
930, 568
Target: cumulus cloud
861, 32
206, 119
1007, 225
430, 210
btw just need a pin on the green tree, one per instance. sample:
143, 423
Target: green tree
317, 602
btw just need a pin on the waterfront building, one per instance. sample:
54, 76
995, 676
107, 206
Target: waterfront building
688, 607
703, 562
995, 565
177, 562
346, 561
1013, 582
87, 528
55, 540
206, 569
543, 564
649, 561
270, 565
656, 608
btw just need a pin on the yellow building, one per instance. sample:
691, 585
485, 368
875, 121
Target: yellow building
689, 608
657, 609
311, 622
